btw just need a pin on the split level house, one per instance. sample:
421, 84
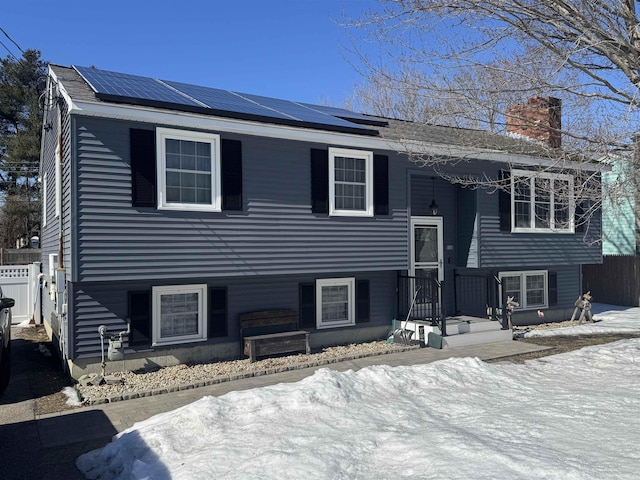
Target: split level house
170, 210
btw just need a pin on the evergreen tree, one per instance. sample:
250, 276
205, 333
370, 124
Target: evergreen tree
22, 83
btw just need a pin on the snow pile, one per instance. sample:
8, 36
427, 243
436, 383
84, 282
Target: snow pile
570, 416
73, 397
608, 319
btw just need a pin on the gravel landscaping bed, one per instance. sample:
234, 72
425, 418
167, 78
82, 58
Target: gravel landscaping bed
184, 377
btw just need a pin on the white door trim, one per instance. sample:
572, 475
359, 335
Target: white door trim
427, 222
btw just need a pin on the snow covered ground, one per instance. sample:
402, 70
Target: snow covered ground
609, 319
569, 416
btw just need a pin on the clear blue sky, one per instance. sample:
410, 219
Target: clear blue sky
291, 49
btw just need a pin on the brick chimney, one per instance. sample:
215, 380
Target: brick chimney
538, 119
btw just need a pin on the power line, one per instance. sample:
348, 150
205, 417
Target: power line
7, 49
11, 39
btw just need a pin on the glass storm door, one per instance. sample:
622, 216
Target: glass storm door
427, 254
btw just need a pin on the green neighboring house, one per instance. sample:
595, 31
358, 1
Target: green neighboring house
619, 220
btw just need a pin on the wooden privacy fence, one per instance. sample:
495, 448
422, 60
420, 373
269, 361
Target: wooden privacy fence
616, 281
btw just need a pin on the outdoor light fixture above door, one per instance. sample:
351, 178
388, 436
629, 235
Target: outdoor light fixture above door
433, 206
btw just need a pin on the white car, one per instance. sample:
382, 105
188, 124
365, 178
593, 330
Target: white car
5, 340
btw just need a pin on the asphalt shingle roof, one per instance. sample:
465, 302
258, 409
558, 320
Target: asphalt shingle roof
396, 130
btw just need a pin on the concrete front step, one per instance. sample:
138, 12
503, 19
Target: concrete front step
478, 338
461, 331
455, 326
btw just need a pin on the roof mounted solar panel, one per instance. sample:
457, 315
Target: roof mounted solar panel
359, 118
224, 100
113, 86
137, 90
301, 112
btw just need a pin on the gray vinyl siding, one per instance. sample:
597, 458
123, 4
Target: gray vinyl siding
471, 295
51, 231
523, 250
480, 242
275, 234
98, 304
568, 282
262, 253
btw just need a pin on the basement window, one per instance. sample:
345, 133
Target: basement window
530, 289
179, 313
335, 305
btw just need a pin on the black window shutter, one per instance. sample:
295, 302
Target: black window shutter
579, 220
231, 174
319, 181
362, 301
143, 167
218, 312
140, 317
307, 305
504, 201
553, 289
381, 184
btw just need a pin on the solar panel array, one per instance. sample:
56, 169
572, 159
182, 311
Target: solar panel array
131, 86
224, 100
113, 86
348, 115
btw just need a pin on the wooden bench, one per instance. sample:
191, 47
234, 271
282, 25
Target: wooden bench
290, 341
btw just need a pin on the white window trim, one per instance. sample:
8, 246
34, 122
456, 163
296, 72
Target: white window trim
368, 157
163, 134
523, 285
330, 282
532, 176
44, 199
157, 292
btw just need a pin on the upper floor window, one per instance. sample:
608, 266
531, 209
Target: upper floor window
188, 170
542, 202
350, 182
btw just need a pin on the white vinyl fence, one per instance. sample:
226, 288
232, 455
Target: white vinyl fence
21, 283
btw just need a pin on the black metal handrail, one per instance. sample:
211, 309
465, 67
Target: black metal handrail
484, 288
420, 298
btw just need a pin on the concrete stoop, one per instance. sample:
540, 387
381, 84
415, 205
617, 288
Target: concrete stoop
461, 331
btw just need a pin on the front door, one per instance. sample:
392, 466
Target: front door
427, 254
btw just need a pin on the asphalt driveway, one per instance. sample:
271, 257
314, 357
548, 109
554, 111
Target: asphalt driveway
28, 450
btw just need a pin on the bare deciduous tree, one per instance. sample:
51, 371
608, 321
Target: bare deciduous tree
463, 63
